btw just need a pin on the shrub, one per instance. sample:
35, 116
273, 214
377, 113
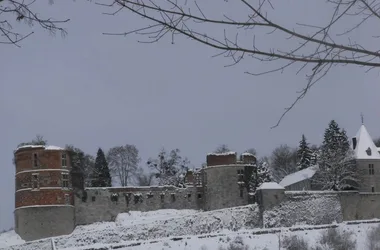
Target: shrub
373, 239
236, 244
295, 243
203, 247
335, 240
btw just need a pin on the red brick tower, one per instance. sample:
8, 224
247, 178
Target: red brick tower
44, 197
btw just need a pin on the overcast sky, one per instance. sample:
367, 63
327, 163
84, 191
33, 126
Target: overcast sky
94, 91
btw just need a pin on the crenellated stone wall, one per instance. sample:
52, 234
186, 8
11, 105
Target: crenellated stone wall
104, 204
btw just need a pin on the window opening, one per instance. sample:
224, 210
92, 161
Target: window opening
35, 181
371, 169
35, 160
67, 199
65, 180
64, 160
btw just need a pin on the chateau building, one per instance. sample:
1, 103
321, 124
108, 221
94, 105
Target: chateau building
51, 199
367, 158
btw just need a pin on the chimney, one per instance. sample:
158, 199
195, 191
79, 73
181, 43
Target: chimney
354, 142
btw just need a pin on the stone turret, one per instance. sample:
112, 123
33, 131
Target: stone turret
367, 161
224, 180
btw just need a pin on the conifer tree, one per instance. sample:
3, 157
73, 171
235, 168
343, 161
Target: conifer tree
260, 173
304, 154
101, 176
315, 152
337, 169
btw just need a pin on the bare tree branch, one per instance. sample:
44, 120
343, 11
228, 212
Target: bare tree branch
317, 52
12, 11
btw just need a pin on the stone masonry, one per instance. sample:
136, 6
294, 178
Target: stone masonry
51, 199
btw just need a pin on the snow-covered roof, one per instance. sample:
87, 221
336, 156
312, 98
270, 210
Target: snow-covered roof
225, 153
46, 147
270, 185
378, 150
363, 142
298, 176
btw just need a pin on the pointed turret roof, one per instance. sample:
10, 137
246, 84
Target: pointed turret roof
365, 148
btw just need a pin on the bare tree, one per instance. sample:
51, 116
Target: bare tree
39, 140
13, 11
223, 148
123, 162
169, 168
251, 151
283, 162
143, 179
315, 49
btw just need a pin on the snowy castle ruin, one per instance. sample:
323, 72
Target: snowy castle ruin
51, 199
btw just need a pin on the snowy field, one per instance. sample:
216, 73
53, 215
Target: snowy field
186, 229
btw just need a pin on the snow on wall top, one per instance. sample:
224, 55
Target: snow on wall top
270, 185
46, 147
225, 153
298, 176
363, 142
247, 154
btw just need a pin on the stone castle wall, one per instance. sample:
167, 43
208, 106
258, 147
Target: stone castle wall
287, 208
104, 204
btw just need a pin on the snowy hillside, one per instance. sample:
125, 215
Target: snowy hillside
186, 229
162, 223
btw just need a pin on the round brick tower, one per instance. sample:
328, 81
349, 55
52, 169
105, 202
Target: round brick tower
44, 197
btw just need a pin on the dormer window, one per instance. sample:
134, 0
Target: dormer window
368, 151
354, 142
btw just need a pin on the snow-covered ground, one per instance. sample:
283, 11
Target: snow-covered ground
184, 230
10, 238
160, 224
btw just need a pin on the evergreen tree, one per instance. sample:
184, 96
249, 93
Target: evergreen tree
304, 154
82, 161
315, 152
259, 174
337, 169
335, 141
101, 175
377, 142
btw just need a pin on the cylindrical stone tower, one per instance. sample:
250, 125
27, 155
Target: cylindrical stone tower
224, 180
44, 197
